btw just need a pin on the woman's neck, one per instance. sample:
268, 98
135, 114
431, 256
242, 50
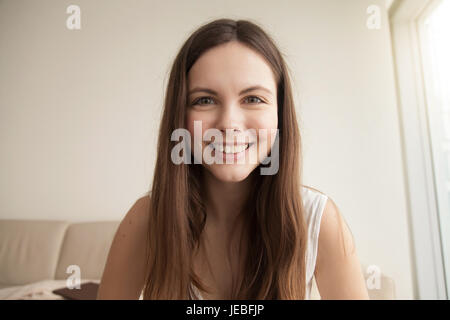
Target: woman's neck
224, 200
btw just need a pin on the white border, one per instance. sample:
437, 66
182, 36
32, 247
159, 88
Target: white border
422, 204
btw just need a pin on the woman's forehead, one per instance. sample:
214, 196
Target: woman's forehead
231, 64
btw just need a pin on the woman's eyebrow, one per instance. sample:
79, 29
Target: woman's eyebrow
210, 91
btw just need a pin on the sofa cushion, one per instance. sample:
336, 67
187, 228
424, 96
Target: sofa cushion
86, 245
41, 290
29, 250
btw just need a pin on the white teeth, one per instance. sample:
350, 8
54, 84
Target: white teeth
229, 149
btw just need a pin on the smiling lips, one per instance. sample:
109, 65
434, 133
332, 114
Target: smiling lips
230, 148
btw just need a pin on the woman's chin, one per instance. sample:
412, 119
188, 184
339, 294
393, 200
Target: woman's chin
231, 172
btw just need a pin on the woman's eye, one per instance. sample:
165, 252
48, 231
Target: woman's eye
204, 100
258, 100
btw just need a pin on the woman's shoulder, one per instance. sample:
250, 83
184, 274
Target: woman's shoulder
122, 279
146, 195
314, 201
140, 209
310, 194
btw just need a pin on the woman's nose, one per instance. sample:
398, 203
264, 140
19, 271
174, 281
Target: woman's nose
230, 117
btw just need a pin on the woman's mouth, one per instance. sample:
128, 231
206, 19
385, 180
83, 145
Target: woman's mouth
229, 151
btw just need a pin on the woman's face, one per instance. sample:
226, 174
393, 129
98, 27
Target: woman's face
217, 98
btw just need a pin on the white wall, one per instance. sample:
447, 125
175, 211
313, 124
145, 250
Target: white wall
79, 110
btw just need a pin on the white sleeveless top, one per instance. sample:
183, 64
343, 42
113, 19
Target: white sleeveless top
314, 203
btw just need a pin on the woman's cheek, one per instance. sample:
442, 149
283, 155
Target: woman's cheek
267, 127
197, 130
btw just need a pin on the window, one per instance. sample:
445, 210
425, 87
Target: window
434, 38
420, 32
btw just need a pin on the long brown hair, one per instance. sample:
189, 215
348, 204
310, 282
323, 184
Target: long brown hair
274, 266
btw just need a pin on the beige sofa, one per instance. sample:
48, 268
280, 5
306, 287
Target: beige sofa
39, 252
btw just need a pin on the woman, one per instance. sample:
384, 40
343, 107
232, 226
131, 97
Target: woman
231, 231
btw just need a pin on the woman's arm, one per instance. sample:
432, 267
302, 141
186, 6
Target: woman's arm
338, 269
125, 269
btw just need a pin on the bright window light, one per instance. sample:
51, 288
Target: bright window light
435, 42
